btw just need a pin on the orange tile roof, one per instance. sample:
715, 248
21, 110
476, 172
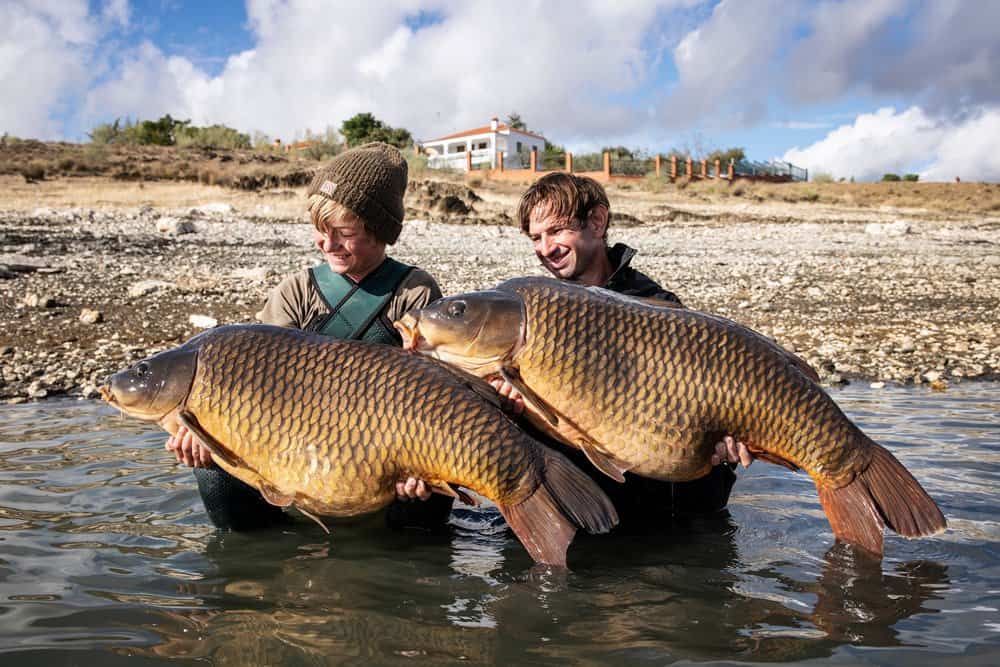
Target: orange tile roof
483, 130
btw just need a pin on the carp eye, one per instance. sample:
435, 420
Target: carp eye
141, 370
456, 309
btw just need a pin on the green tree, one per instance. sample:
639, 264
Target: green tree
514, 120
364, 127
736, 154
890, 178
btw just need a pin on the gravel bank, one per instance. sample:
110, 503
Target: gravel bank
879, 296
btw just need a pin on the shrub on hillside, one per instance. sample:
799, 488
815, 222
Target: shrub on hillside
911, 178
213, 136
890, 178
822, 177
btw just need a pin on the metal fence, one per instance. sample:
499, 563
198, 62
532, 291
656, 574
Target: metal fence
773, 169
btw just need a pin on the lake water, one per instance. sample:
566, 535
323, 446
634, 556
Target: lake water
106, 557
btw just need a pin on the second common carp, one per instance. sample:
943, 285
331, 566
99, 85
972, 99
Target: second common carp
649, 389
330, 426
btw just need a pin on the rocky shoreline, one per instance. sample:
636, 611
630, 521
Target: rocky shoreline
878, 296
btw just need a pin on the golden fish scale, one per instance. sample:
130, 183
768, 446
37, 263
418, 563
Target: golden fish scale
340, 438
655, 386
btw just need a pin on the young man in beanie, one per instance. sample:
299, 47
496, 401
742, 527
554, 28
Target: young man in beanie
355, 204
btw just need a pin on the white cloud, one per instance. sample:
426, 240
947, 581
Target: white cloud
722, 64
48, 58
566, 68
908, 141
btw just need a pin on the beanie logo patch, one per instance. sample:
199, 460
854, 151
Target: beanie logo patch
328, 188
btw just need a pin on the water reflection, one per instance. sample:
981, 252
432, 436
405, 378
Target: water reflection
106, 556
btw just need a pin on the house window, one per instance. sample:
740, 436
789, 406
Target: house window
519, 147
482, 145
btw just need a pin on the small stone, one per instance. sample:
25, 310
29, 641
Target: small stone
6, 350
214, 208
897, 228
39, 301
145, 287
932, 376
877, 385
89, 316
258, 274
814, 292
175, 226
907, 345
90, 391
36, 390
203, 321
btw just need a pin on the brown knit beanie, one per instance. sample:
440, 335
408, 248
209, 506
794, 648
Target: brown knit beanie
370, 180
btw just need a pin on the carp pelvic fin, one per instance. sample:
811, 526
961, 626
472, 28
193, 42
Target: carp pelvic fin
275, 497
530, 397
609, 465
214, 446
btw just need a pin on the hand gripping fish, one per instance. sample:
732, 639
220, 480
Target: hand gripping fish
330, 426
649, 389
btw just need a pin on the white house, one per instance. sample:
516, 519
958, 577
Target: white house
484, 144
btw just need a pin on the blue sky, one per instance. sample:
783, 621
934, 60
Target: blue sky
849, 87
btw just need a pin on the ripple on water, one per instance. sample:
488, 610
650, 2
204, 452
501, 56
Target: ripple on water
105, 553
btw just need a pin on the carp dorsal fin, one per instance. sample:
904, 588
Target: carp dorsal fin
530, 396
314, 518
188, 419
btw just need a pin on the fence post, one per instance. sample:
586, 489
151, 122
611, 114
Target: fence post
658, 160
569, 162
704, 168
690, 166
732, 169
533, 159
500, 162
468, 160
673, 167
718, 172
607, 165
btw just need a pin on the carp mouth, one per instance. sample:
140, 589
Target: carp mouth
408, 328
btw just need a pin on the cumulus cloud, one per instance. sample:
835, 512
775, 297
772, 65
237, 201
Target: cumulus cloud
49, 55
908, 141
39, 63
722, 64
567, 68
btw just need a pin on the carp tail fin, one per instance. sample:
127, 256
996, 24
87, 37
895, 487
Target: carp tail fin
901, 500
567, 499
884, 494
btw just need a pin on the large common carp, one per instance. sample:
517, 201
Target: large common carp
650, 389
330, 426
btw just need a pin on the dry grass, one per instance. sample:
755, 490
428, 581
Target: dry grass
940, 197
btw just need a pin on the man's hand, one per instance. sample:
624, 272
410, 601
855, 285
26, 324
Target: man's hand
189, 450
731, 451
506, 389
412, 489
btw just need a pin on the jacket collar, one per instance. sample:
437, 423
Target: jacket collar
620, 256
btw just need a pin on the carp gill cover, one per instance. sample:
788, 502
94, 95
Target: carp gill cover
649, 389
329, 426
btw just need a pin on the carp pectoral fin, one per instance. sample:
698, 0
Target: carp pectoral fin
316, 519
275, 497
214, 446
530, 397
448, 489
609, 465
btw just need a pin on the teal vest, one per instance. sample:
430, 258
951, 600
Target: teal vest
355, 307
